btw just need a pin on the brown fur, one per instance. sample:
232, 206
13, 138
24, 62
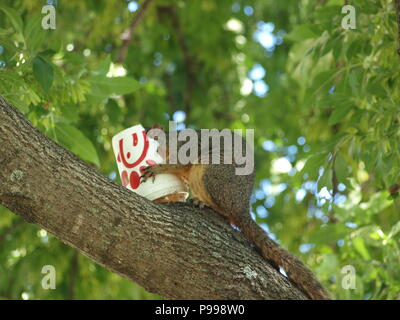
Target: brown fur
218, 186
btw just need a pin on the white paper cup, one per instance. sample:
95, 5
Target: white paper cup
134, 151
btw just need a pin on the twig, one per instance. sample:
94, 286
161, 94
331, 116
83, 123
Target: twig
170, 92
335, 190
73, 272
188, 59
127, 35
398, 25
393, 190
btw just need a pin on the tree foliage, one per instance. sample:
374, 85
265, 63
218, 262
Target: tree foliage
322, 100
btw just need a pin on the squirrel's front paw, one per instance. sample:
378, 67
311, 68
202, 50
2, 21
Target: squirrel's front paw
149, 172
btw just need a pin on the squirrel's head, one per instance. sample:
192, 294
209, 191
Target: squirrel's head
158, 133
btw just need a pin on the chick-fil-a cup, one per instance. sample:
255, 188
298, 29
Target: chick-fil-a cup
134, 151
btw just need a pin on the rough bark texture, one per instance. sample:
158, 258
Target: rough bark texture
175, 250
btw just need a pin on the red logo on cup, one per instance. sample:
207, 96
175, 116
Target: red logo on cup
133, 178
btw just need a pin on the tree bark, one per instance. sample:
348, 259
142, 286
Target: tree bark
175, 250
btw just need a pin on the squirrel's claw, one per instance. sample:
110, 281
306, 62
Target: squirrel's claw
198, 203
147, 173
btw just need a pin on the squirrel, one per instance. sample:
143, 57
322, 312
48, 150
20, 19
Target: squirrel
219, 187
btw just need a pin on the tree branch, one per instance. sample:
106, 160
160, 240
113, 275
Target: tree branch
335, 190
73, 274
175, 250
127, 35
398, 24
170, 93
188, 59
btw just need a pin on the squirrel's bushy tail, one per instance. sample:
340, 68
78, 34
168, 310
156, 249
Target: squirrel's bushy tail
296, 271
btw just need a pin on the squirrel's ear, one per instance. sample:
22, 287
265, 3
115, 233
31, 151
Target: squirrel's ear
154, 126
155, 131
157, 126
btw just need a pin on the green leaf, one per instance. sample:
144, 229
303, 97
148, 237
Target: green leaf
18, 103
321, 85
372, 235
377, 203
74, 58
334, 142
359, 245
342, 170
34, 33
355, 79
14, 17
73, 139
339, 114
301, 32
47, 52
105, 86
326, 179
70, 112
324, 80
113, 111
354, 48
329, 265
13, 88
395, 229
43, 72
314, 162
375, 87
103, 67
329, 234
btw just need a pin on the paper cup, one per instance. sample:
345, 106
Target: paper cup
134, 151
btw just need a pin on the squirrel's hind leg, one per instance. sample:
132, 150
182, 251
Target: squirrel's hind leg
230, 193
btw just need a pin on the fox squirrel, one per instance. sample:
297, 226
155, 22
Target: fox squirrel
219, 187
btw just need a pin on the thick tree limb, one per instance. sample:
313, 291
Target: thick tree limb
175, 250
